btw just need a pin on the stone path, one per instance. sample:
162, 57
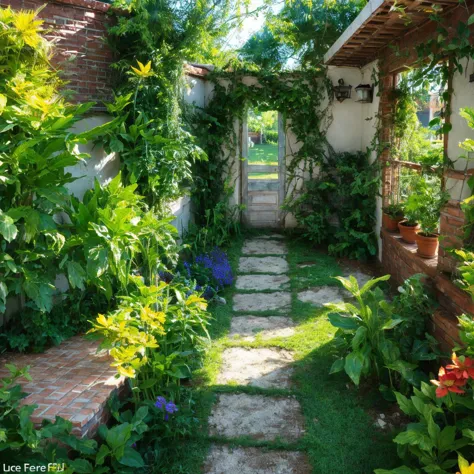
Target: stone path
262, 288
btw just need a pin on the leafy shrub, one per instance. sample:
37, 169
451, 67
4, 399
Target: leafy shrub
361, 330
156, 337
338, 206
113, 234
271, 136
382, 339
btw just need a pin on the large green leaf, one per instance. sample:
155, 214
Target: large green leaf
41, 292
405, 404
131, 458
353, 366
343, 322
337, 366
371, 283
76, 275
8, 228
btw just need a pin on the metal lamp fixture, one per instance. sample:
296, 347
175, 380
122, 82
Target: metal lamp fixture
342, 92
365, 93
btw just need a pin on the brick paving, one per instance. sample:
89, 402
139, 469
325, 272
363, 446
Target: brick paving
71, 380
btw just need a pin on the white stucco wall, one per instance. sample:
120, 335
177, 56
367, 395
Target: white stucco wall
100, 165
463, 96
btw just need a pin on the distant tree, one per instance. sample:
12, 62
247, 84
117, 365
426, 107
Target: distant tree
303, 31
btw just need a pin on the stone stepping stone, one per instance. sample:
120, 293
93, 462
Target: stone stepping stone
262, 282
264, 247
263, 367
361, 277
226, 460
322, 295
255, 302
256, 416
276, 265
268, 327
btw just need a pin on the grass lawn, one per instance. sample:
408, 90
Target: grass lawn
340, 434
265, 154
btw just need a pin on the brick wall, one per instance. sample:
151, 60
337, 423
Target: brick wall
401, 261
78, 27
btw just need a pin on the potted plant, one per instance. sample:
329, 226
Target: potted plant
424, 206
409, 226
392, 215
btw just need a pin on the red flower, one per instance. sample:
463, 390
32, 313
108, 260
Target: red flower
448, 382
462, 367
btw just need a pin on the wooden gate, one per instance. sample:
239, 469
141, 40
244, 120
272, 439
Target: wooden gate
263, 198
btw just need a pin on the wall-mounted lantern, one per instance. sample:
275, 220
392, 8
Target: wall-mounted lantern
342, 92
365, 93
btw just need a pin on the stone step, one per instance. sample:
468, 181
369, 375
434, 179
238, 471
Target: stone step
227, 460
262, 282
275, 265
323, 294
264, 247
258, 417
71, 380
255, 302
262, 367
267, 327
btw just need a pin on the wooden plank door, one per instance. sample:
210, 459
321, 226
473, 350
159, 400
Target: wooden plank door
263, 196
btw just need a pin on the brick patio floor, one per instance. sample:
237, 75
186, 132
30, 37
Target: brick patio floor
71, 380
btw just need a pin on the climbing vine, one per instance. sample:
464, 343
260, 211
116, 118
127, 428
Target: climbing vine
300, 96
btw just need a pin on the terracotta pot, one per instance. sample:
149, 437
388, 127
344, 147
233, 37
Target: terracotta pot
427, 245
408, 232
389, 223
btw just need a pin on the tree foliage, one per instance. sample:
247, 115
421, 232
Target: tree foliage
303, 30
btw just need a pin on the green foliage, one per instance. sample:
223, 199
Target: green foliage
113, 234
378, 337
430, 441
36, 147
302, 31
466, 333
413, 306
156, 337
395, 210
338, 206
361, 330
424, 206
220, 225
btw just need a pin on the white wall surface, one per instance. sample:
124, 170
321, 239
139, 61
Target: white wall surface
100, 165
463, 97
345, 131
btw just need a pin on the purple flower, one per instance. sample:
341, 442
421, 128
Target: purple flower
160, 403
171, 408
167, 407
218, 263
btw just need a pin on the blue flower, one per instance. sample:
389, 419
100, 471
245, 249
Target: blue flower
168, 408
160, 402
171, 408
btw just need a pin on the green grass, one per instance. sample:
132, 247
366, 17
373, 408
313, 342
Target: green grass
265, 154
340, 437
